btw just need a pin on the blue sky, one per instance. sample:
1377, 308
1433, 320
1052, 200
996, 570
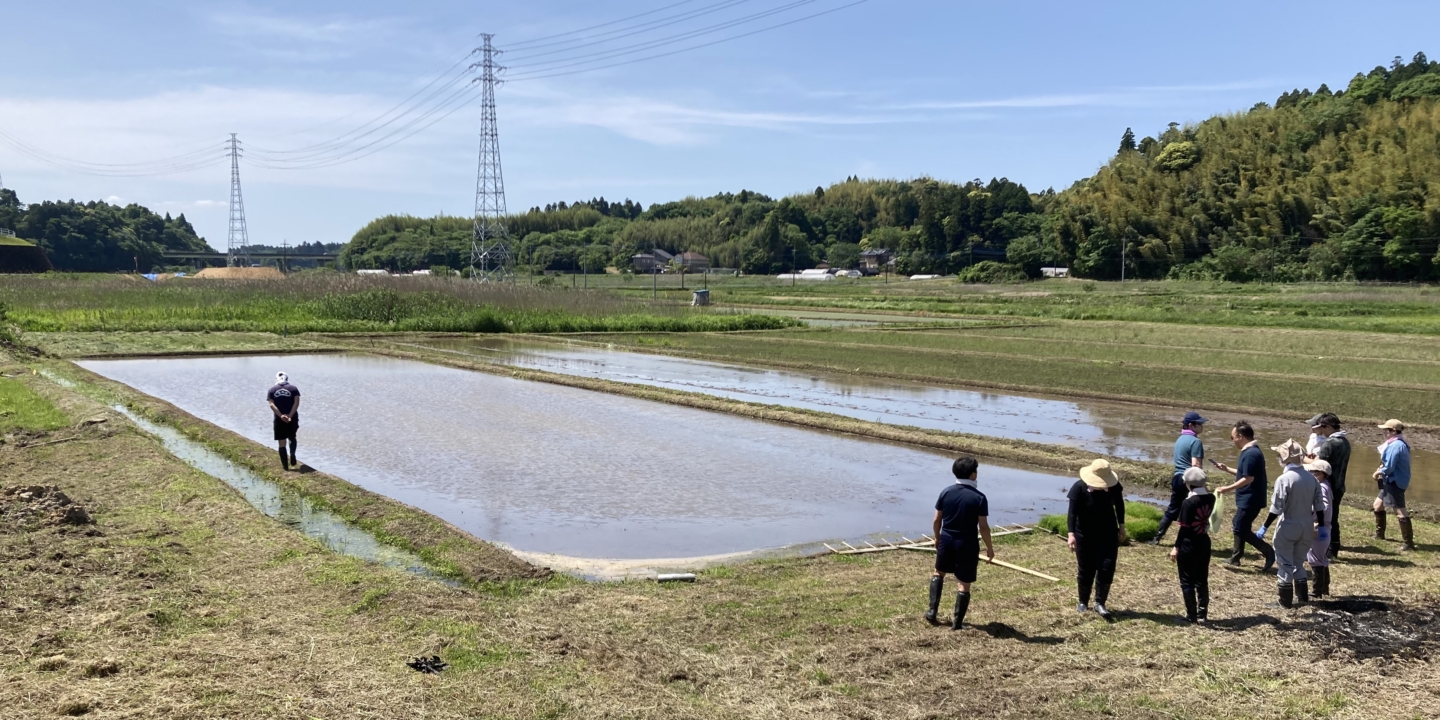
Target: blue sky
1039, 92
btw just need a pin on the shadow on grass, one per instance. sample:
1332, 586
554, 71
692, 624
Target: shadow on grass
1242, 623
1001, 631
1380, 562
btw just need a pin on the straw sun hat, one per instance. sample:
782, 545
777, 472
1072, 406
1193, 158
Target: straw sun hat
1289, 452
1098, 475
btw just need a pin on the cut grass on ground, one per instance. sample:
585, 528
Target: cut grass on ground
22, 409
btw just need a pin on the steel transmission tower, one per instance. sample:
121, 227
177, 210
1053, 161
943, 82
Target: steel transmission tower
239, 237
490, 246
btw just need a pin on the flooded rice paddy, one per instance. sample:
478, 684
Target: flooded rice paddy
1119, 429
549, 469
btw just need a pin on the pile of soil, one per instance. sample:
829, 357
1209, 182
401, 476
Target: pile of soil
1363, 628
241, 273
35, 506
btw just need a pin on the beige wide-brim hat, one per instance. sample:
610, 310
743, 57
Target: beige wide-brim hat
1319, 466
1289, 452
1395, 425
1098, 475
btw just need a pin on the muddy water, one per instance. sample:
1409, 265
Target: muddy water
1119, 429
551, 469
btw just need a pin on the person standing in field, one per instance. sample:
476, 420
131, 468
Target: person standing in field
961, 522
1295, 503
1249, 487
284, 401
1097, 528
1335, 451
1319, 555
1192, 547
1393, 477
1189, 452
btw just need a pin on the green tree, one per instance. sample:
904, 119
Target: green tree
1127, 141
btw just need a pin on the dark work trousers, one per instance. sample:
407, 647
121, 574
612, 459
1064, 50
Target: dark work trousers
1244, 529
1337, 496
1096, 561
1194, 568
1178, 492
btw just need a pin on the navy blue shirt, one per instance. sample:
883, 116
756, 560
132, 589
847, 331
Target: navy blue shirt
283, 395
1252, 464
961, 508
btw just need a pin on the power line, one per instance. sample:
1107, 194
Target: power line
601, 25
621, 33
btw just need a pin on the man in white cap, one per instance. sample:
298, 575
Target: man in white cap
1295, 503
1393, 477
284, 401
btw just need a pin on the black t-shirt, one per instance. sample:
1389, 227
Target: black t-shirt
1336, 451
961, 508
1194, 532
284, 396
1252, 464
1096, 514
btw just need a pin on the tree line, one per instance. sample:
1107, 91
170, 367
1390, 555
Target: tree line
97, 236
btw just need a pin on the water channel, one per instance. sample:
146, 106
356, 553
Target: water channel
549, 469
1119, 429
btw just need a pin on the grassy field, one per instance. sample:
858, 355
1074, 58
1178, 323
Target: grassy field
21, 409
329, 302
181, 601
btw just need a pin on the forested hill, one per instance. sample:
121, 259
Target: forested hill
1320, 185
98, 236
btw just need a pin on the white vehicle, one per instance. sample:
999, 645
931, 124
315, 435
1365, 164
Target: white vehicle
926, 277
848, 273
805, 275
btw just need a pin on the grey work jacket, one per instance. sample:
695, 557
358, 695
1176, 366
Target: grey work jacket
1296, 498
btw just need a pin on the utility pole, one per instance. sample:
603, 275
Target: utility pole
1122, 261
490, 245
239, 238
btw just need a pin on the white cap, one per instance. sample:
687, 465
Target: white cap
281, 378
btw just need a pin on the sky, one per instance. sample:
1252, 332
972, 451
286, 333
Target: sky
1038, 92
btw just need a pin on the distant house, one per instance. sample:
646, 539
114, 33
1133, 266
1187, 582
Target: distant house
694, 262
1054, 272
643, 263
874, 261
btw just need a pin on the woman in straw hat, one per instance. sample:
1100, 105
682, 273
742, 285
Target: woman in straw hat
1295, 502
1097, 527
1192, 547
1319, 556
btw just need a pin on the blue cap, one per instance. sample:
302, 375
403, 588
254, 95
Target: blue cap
1193, 418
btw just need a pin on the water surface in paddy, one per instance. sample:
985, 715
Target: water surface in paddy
1119, 429
550, 469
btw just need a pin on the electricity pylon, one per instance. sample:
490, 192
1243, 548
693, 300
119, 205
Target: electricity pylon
490, 246
239, 238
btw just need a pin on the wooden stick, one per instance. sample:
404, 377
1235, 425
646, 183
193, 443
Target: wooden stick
1027, 571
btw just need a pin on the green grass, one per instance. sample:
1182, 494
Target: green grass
1142, 521
14, 241
22, 409
341, 303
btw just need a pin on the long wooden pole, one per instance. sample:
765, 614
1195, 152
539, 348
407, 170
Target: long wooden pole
1027, 571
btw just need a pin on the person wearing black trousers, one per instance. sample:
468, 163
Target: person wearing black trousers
1189, 452
961, 523
1192, 547
1097, 527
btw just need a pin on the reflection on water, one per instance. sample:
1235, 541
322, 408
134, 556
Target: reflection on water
552, 469
284, 505
1111, 428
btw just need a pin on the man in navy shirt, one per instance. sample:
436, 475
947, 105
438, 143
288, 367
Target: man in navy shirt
284, 401
1250, 494
1189, 451
961, 513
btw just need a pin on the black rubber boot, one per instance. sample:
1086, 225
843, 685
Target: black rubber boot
937, 586
1317, 582
1302, 592
1238, 552
1192, 607
293, 461
1202, 611
1287, 595
1380, 525
1407, 535
962, 604
284, 459
1324, 590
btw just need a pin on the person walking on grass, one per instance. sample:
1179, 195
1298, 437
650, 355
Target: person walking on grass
961, 521
1335, 451
1191, 553
1097, 528
1319, 555
1295, 503
1249, 487
284, 401
1393, 477
1189, 452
